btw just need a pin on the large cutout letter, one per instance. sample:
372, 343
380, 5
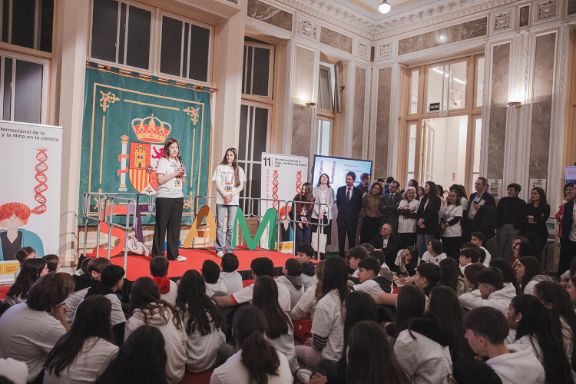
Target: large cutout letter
269, 219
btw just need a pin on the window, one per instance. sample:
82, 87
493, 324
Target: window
27, 23
414, 88
254, 121
479, 81
21, 90
258, 60
411, 150
326, 86
324, 138
185, 49
476, 150
446, 88
121, 33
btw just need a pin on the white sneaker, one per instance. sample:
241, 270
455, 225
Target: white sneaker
220, 254
181, 258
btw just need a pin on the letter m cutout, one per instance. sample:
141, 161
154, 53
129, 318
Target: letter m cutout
269, 220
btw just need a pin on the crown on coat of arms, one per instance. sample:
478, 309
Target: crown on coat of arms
151, 129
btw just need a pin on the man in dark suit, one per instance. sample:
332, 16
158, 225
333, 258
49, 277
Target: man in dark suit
482, 215
387, 243
390, 205
349, 204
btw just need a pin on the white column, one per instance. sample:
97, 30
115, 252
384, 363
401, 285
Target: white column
71, 42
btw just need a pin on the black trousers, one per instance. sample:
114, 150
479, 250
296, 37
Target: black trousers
347, 227
567, 254
168, 220
452, 246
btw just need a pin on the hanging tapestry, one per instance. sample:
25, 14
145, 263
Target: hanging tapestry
127, 120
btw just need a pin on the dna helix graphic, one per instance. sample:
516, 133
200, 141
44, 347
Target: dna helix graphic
275, 188
298, 181
40, 176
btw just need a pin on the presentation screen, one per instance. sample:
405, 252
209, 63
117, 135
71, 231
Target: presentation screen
337, 167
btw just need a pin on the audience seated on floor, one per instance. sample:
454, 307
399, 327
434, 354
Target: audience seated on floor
230, 275
159, 271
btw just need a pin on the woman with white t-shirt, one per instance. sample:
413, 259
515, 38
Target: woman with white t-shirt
407, 219
230, 180
450, 217
83, 354
256, 361
322, 212
169, 201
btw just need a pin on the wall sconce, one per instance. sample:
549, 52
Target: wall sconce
310, 104
515, 104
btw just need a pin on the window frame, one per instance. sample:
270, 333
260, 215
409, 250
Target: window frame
259, 98
45, 76
155, 43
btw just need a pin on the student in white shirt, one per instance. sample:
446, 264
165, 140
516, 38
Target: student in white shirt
467, 257
202, 320
292, 280
149, 309
14, 370
327, 325
280, 330
229, 275
307, 303
141, 359
434, 252
527, 274
450, 223
557, 301
257, 360
536, 331
370, 281
304, 255
169, 201
230, 180
83, 283
354, 256
30, 271
211, 275
111, 280
478, 238
486, 331
261, 266
85, 351
470, 274
29, 331
159, 271
491, 291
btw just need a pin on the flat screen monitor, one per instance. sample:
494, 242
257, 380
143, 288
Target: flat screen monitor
337, 167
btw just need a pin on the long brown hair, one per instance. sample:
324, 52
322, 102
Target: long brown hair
167, 145
234, 164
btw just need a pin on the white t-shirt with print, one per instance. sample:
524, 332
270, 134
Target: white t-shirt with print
245, 296
225, 180
327, 322
449, 213
173, 187
371, 287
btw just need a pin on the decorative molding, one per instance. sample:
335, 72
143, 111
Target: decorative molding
503, 21
363, 50
384, 51
547, 9
308, 29
336, 39
270, 14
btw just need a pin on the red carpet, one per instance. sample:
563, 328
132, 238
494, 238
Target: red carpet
138, 266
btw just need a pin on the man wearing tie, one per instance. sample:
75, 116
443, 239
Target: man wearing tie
390, 205
349, 204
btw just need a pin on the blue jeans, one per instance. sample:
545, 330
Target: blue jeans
422, 240
225, 226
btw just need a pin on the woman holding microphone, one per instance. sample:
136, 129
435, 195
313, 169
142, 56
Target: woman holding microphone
169, 201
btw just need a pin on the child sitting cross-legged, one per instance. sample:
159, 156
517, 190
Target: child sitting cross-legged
370, 281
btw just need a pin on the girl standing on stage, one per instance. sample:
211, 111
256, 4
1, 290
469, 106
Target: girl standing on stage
322, 212
169, 201
230, 179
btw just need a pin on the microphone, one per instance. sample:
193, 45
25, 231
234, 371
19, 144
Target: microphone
182, 164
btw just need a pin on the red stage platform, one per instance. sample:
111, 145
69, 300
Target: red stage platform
138, 266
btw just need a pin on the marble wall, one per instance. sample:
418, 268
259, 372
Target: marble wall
382, 122
541, 105
359, 104
303, 90
270, 14
571, 7
336, 40
464, 31
498, 110
301, 130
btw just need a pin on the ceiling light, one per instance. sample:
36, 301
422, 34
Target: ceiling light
384, 7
